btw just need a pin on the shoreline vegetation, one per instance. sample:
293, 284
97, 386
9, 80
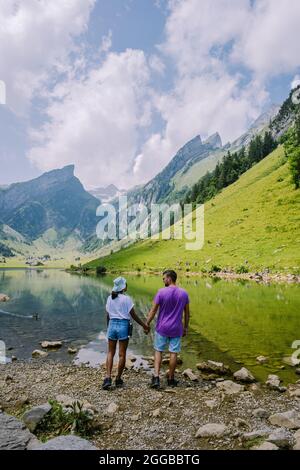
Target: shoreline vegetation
264, 277
215, 411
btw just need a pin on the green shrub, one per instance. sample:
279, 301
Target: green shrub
215, 269
100, 270
242, 270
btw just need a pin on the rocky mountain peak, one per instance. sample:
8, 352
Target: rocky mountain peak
214, 141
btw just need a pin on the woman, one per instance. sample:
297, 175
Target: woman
120, 310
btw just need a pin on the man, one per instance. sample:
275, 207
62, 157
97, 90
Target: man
172, 302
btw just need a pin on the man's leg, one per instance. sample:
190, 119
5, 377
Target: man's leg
110, 356
122, 357
172, 365
157, 362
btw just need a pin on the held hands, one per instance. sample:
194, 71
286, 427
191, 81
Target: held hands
146, 328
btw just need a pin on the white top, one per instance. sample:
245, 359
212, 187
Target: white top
119, 307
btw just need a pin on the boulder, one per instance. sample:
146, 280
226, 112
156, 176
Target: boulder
258, 433
297, 440
34, 416
39, 354
262, 359
281, 438
13, 433
51, 344
265, 446
4, 298
230, 388
211, 403
190, 375
294, 390
214, 367
244, 375
273, 382
289, 419
69, 442
260, 413
211, 430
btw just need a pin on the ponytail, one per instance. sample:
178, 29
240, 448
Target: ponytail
114, 295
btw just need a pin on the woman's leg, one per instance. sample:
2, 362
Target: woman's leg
110, 356
122, 356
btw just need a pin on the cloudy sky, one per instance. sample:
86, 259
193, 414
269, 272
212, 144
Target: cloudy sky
117, 86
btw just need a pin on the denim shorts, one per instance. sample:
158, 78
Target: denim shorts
160, 343
118, 329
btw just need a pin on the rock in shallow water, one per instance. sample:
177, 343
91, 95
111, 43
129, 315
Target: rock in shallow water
244, 375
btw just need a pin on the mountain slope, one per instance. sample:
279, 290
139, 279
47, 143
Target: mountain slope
255, 221
193, 161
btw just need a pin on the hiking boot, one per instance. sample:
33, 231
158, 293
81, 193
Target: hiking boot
155, 382
172, 382
119, 383
107, 383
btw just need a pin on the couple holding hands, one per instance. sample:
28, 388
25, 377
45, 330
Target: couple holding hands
172, 305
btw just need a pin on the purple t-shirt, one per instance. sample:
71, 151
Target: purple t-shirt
171, 301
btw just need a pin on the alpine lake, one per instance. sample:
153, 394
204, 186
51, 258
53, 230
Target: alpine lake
232, 322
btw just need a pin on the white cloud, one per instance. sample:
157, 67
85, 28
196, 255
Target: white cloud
36, 36
269, 43
208, 42
94, 121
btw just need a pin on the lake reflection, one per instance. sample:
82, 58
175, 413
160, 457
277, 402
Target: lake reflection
233, 322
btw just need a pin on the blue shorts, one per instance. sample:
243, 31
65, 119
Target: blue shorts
118, 330
160, 343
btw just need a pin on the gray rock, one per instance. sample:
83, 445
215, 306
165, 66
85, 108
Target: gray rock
262, 359
211, 430
69, 442
249, 436
229, 387
112, 409
244, 375
4, 298
34, 416
265, 446
51, 344
13, 433
190, 375
281, 438
212, 366
260, 413
273, 382
289, 419
37, 353
297, 440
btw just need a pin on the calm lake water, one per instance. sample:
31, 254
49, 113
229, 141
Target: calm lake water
233, 322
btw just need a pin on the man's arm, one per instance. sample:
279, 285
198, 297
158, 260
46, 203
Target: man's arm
152, 313
186, 319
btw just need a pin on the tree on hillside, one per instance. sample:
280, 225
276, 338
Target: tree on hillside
292, 150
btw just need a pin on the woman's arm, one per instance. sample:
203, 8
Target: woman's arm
138, 320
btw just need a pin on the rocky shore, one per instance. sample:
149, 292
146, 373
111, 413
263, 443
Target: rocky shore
206, 411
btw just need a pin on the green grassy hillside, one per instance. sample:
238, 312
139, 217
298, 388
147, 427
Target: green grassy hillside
255, 221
